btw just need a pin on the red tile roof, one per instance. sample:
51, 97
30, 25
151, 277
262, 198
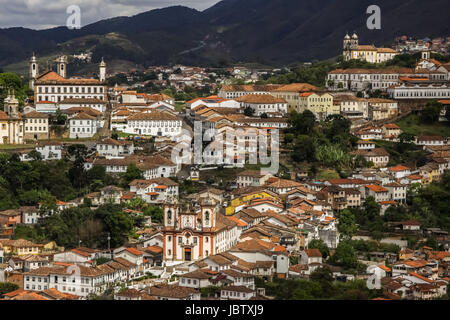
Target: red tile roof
376, 188
134, 251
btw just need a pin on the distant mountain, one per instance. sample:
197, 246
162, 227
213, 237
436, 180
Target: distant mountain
272, 32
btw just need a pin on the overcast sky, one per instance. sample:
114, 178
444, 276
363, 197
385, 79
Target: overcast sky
42, 14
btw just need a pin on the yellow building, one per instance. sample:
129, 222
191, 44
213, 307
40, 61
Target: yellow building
247, 198
291, 93
381, 109
369, 53
20, 247
51, 246
430, 173
320, 104
3, 128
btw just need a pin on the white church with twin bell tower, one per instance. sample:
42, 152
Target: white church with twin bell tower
353, 50
52, 88
194, 233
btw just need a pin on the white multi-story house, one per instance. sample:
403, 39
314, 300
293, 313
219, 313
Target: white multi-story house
84, 126
155, 123
430, 141
365, 145
111, 148
151, 166
351, 106
263, 104
36, 126
378, 192
397, 191
94, 103
370, 133
157, 190
249, 178
363, 79
399, 171
30, 214
379, 156
236, 293
51, 150
79, 279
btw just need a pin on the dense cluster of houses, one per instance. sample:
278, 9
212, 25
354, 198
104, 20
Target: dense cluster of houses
214, 237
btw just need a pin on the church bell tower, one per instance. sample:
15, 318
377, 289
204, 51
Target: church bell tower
33, 72
62, 65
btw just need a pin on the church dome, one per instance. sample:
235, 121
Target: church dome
354, 36
347, 37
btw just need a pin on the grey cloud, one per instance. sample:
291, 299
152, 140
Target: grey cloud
41, 14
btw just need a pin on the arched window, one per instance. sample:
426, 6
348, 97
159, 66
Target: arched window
169, 215
207, 215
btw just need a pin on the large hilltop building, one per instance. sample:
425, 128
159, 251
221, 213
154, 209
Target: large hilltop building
369, 53
53, 87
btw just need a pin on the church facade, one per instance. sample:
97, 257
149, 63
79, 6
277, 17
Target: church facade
11, 122
190, 235
369, 53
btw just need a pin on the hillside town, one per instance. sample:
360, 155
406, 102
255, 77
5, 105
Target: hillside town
95, 204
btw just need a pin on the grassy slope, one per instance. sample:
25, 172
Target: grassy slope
412, 125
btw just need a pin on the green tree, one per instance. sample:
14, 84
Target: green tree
249, 111
133, 172
77, 174
6, 287
120, 225
77, 150
324, 277
431, 112
138, 204
319, 244
405, 137
301, 123
347, 225
155, 212
304, 149
345, 256
35, 156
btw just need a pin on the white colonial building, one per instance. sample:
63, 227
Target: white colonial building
263, 104
56, 87
157, 190
51, 150
111, 148
417, 91
151, 166
84, 126
155, 123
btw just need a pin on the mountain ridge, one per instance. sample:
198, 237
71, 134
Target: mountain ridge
274, 32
